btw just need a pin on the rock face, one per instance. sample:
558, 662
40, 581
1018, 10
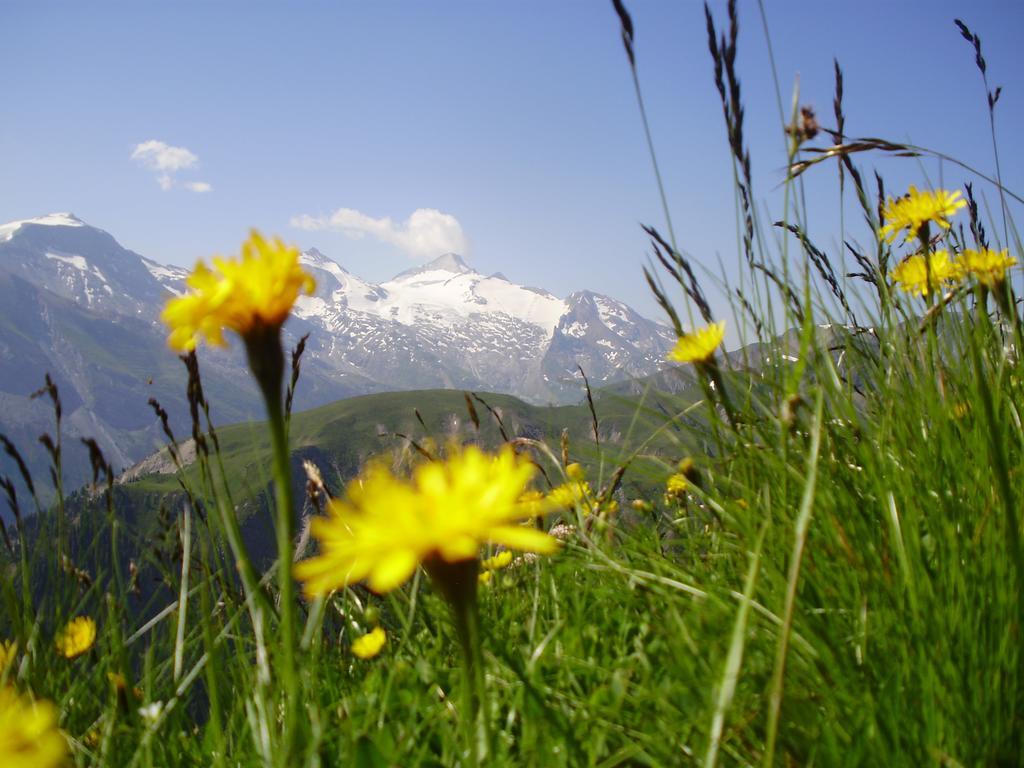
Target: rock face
76, 304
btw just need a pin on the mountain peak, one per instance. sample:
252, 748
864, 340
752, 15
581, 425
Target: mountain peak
450, 262
60, 219
446, 262
315, 257
63, 219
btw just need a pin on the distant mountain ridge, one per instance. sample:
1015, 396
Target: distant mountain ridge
78, 305
443, 324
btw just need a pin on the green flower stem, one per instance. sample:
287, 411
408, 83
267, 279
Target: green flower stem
266, 360
458, 583
924, 234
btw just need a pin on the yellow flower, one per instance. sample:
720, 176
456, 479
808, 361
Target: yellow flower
698, 346
77, 637
484, 577
911, 274
253, 292
8, 650
387, 526
577, 492
988, 266
29, 737
534, 503
676, 485
499, 561
573, 493
370, 644
915, 209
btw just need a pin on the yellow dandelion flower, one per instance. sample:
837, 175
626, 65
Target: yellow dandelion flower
571, 494
499, 561
911, 274
677, 485
370, 644
77, 637
387, 526
8, 650
484, 577
29, 736
698, 346
915, 209
987, 266
254, 292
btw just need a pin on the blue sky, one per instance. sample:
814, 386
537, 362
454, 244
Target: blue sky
516, 121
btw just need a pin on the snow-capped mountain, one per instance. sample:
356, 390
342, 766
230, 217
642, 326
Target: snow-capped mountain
77, 304
61, 253
443, 324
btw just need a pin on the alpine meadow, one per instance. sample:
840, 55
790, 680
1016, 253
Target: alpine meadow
265, 513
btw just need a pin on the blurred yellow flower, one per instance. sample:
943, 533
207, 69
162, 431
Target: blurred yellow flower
698, 346
387, 526
370, 644
577, 492
575, 471
987, 266
641, 505
77, 637
676, 485
534, 503
911, 274
29, 736
8, 650
484, 577
250, 293
499, 561
572, 493
914, 209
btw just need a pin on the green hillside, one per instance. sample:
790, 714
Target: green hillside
341, 436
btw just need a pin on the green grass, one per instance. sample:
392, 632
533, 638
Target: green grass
841, 585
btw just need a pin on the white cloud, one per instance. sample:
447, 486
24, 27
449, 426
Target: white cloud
163, 157
167, 161
425, 234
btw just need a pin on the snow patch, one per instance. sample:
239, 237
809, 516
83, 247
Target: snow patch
308, 307
441, 297
78, 262
577, 330
609, 310
51, 220
162, 272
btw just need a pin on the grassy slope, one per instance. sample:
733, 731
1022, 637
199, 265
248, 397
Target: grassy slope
347, 432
